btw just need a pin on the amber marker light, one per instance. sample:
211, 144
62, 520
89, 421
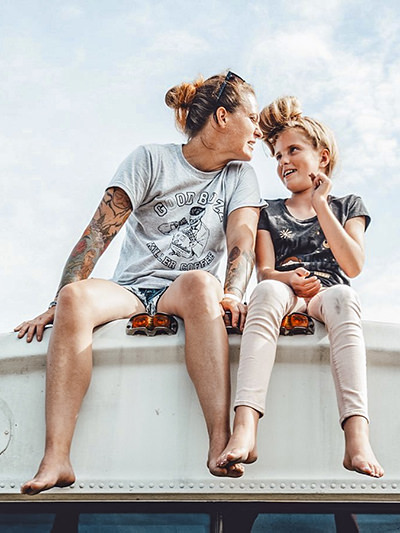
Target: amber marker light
150, 325
297, 323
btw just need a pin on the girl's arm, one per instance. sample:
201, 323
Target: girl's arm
303, 285
346, 243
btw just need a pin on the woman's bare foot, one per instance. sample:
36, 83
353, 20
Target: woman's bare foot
241, 447
217, 444
50, 474
359, 456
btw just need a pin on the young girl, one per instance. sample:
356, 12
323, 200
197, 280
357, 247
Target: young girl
307, 247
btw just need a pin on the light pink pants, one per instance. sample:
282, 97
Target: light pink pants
338, 307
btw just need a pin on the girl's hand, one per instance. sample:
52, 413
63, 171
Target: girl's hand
304, 285
36, 325
322, 187
238, 311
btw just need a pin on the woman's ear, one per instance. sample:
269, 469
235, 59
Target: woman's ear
221, 115
325, 158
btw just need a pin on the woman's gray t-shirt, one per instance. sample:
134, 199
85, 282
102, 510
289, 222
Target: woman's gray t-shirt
179, 214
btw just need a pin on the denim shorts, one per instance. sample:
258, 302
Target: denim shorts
149, 297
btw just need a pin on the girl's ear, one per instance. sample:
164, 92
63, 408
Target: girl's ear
325, 158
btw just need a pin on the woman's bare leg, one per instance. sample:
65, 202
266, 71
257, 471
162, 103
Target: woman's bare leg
358, 452
81, 307
195, 297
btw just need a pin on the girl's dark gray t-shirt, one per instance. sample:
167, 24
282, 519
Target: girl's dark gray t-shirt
179, 214
303, 243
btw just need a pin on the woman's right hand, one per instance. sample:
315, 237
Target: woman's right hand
36, 325
303, 286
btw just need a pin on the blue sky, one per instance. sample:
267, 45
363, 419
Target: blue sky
83, 83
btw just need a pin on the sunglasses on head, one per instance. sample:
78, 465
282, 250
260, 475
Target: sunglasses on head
221, 90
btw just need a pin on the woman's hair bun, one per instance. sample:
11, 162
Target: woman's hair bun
181, 96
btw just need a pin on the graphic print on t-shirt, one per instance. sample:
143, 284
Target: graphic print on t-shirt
188, 247
189, 235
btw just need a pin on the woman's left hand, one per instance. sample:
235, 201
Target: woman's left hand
238, 311
322, 187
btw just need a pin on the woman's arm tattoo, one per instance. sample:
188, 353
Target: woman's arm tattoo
108, 219
238, 271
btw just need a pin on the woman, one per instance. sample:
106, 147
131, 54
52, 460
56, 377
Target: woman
183, 206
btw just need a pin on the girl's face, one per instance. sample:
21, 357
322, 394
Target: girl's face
243, 129
297, 158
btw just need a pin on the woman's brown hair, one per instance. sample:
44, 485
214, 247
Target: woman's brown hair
195, 102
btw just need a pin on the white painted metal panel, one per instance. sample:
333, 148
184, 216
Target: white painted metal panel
141, 431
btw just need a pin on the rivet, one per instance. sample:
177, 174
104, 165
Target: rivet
131, 485
232, 485
313, 485
221, 485
293, 485
12, 485
353, 486
282, 485
151, 485
384, 485
121, 485
252, 485
81, 485
303, 486
323, 485
394, 485
333, 485
141, 485
101, 485
91, 485
2, 485
272, 485
242, 485
363, 486
72, 486
262, 485
191, 485
181, 485
161, 485
373, 485
171, 485
111, 485
212, 485
343, 486
201, 485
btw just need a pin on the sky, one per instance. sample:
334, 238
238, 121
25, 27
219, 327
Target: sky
83, 83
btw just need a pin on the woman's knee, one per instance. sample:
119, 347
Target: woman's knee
73, 296
199, 287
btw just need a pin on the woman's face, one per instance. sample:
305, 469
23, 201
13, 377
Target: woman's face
297, 158
243, 130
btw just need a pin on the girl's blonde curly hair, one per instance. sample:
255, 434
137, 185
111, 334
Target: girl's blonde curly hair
285, 113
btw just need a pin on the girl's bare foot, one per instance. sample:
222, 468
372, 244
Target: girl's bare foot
50, 474
359, 456
241, 447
